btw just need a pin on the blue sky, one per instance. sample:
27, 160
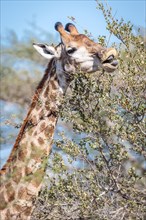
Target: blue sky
16, 15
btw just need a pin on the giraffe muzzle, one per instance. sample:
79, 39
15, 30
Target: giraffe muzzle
111, 60
110, 64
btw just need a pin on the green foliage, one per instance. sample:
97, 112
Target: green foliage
101, 176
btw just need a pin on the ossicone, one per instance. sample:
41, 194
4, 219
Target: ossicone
71, 28
57, 25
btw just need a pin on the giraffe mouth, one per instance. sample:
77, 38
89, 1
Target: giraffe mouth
110, 64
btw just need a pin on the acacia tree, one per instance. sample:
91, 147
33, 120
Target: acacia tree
99, 174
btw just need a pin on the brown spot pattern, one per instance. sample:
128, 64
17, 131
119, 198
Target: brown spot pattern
38, 177
28, 170
47, 105
40, 141
46, 92
35, 133
52, 97
22, 152
27, 211
42, 126
3, 203
32, 145
22, 193
49, 131
41, 114
17, 207
10, 192
17, 177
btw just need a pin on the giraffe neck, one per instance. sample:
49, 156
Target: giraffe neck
23, 173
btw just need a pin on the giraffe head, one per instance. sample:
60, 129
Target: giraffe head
83, 52
78, 51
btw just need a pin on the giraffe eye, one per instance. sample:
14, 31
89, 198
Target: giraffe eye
71, 50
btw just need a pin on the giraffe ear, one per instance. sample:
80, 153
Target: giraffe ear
46, 51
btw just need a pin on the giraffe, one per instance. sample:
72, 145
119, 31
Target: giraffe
22, 175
